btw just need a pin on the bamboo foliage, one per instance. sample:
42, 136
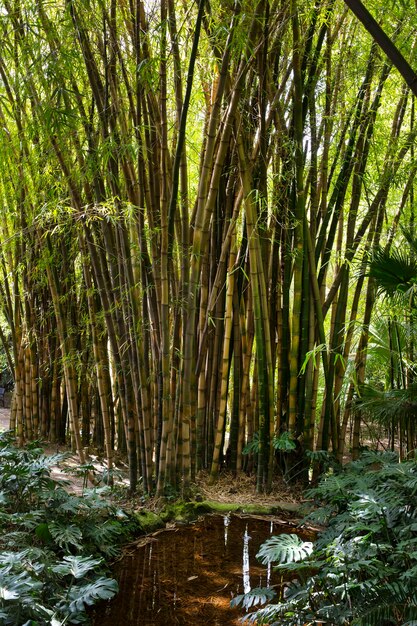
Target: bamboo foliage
187, 193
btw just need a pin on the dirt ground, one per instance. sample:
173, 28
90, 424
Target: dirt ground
227, 489
68, 470
4, 418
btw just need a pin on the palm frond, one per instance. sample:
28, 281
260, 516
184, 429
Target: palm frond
394, 271
410, 238
385, 406
384, 602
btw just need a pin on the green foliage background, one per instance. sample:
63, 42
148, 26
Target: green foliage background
54, 546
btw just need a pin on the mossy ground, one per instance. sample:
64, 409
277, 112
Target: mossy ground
185, 512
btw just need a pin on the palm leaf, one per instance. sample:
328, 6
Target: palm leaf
410, 238
385, 406
386, 602
395, 272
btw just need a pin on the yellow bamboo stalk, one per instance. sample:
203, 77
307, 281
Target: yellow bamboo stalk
247, 337
28, 395
101, 362
69, 371
228, 324
260, 308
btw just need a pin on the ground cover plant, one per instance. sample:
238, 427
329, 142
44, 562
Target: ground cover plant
362, 568
53, 545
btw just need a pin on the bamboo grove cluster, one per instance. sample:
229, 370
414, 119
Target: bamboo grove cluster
189, 192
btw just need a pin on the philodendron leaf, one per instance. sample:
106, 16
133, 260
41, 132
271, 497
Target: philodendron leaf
254, 597
16, 586
284, 549
42, 532
66, 535
76, 566
100, 589
8, 594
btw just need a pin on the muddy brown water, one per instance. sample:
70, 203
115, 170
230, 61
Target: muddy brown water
188, 575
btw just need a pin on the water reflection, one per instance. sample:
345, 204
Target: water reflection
226, 528
246, 568
269, 566
189, 575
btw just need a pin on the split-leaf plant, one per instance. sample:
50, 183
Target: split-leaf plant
54, 545
362, 567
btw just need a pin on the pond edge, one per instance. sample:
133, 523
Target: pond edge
186, 512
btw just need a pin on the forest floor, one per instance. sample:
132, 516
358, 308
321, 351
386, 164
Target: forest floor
227, 489
68, 469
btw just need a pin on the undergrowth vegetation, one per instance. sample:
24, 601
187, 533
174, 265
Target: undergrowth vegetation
362, 568
53, 545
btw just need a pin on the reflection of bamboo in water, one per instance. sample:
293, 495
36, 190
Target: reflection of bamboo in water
146, 569
245, 565
226, 529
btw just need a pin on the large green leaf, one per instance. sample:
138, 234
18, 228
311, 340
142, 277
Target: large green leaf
395, 271
254, 597
36, 585
66, 535
284, 549
104, 536
82, 595
14, 586
77, 566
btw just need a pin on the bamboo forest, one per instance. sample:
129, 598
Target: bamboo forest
208, 231
208, 285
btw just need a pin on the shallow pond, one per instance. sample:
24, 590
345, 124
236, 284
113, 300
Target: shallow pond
189, 574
